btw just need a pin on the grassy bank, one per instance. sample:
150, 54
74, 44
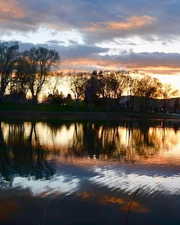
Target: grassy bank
43, 112
73, 107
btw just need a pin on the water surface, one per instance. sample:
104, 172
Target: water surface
76, 173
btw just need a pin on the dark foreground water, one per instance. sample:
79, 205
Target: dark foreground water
90, 173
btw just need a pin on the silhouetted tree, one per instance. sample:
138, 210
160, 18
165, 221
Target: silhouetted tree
40, 62
168, 92
21, 79
93, 88
113, 84
8, 58
109, 87
146, 87
78, 85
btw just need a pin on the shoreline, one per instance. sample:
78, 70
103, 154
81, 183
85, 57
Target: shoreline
84, 116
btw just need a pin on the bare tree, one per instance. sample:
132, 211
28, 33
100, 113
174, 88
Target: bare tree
109, 87
147, 87
114, 84
8, 57
40, 61
20, 81
167, 92
78, 84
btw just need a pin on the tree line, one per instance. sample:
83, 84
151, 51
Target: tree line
26, 71
113, 84
110, 86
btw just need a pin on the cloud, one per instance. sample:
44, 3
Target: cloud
87, 57
10, 9
72, 51
156, 63
127, 17
97, 21
131, 23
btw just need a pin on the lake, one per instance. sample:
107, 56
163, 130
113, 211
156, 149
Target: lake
90, 173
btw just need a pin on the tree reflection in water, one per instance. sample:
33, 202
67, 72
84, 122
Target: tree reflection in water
27, 147
21, 153
42, 174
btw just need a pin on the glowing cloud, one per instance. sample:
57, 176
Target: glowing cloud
131, 23
10, 9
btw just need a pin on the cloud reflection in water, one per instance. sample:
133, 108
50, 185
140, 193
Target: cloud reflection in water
57, 184
121, 180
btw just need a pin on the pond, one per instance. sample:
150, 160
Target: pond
90, 173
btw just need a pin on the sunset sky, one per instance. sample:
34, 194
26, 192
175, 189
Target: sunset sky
99, 34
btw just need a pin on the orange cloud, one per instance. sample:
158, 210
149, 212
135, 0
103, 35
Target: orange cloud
10, 9
81, 64
156, 69
89, 62
84, 64
130, 24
